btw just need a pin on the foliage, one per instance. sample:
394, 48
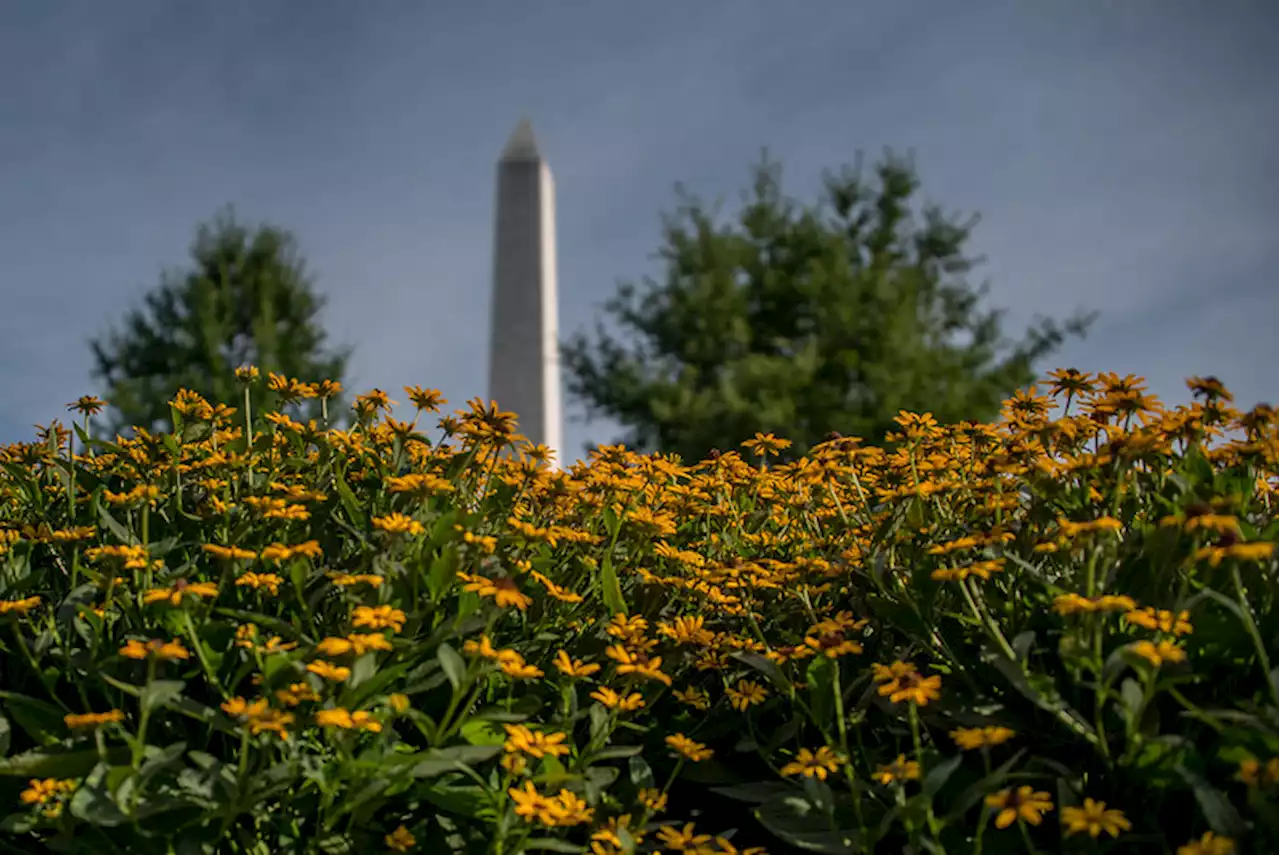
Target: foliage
246, 299
1040, 635
795, 320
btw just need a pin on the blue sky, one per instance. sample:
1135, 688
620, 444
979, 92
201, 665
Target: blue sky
1122, 154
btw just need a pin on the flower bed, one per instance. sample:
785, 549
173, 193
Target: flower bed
1057, 633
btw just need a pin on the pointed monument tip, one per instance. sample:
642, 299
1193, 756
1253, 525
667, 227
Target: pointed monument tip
522, 145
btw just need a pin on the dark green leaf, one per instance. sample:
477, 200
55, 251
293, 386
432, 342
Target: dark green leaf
437, 761
452, 664
159, 692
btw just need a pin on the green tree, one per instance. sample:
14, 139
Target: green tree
246, 299
804, 320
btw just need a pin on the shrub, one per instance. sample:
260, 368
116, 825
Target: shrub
1052, 634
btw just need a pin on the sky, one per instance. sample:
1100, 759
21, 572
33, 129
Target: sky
1123, 156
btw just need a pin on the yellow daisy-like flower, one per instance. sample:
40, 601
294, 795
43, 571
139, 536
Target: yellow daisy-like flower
329, 671
398, 523
400, 840
1158, 653
1094, 818
87, 720
161, 650
813, 764
745, 694
378, 617
573, 667
347, 720
1208, 844
901, 769
687, 748
615, 701
1025, 804
969, 738
504, 590
180, 590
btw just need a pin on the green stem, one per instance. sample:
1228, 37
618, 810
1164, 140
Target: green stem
1253, 631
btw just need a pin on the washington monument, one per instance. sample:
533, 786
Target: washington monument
524, 358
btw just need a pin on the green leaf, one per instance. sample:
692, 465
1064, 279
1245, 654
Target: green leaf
617, 752
551, 844
355, 511
977, 791
58, 764
639, 772
437, 761
610, 589
4, 736
796, 822
94, 803
820, 677
766, 667
483, 732
940, 774
452, 664
41, 720
159, 692
758, 793
443, 571
463, 801
1218, 811
113, 525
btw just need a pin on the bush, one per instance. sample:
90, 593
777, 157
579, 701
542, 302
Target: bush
1052, 634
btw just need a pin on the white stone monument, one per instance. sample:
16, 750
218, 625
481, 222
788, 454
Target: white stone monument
524, 356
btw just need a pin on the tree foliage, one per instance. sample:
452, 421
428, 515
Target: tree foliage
803, 320
246, 299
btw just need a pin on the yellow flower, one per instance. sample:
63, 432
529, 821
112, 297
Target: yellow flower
1208, 844
229, 553
519, 669
18, 607
766, 444
398, 702
1068, 604
400, 840
900, 682
296, 694
398, 523
378, 617
574, 667
258, 716
901, 769
161, 650
687, 748
521, 739
747, 693
180, 589
347, 720
1159, 653
41, 792
637, 662
968, 738
654, 800
811, 764
684, 839
1024, 804
616, 701
694, 697
88, 720
1254, 774
1094, 818
270, 581
329, 671
1162, 620
504, 590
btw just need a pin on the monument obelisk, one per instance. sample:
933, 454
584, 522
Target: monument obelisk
524, 357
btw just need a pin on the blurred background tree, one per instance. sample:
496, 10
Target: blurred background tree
801, 320
246, 299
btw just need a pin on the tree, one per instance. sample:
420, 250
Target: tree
804, 320
247, 299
